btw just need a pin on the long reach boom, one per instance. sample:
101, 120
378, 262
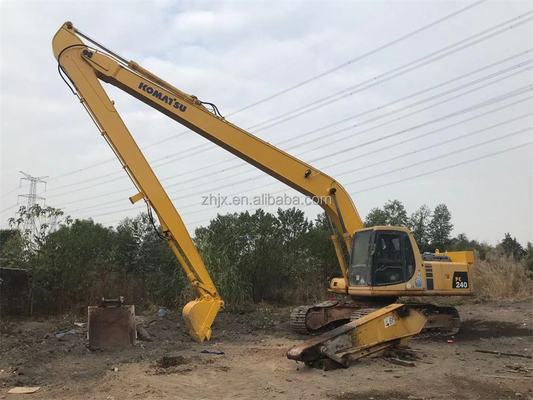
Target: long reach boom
85, 65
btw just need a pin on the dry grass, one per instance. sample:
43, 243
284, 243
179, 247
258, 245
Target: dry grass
501, 278
495, 279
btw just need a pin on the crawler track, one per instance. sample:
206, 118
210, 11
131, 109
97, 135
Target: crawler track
442, 321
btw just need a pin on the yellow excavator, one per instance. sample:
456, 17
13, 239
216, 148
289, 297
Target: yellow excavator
383, 262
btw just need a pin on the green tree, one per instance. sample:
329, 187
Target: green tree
13, 249
393, 214
440, 228
294, 229
238, 251
419, 225
74, 266
6, 235
321, 250
376, 217
142, 255
512, 248
265, 257
45, 220
461, 243
396, 214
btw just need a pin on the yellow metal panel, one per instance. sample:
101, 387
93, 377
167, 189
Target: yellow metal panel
119, 138
461, 256
253, 150
188, 111
136, 198
390, 325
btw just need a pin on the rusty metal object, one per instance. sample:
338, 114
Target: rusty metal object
313, 319
111, 325
307, 319
331, 313
441, 321
112, 302
318, 317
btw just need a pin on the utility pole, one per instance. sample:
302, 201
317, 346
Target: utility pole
32, 196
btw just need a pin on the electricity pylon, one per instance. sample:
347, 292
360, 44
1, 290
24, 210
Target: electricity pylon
32, 197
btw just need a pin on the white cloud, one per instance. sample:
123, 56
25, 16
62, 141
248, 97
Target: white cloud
236, 53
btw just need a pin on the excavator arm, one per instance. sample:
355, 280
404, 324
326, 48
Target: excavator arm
85, 66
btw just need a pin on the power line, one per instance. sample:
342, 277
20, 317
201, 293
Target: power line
401, 132
88, 187
203, 147
439, 156
144, 148
446, 168
96, 178
371, 152
330, 134
405, 98
207, 146
425, 135
356, 169
417, 103
345, 149
358, 58
82, 169
171, 176
373, 80
11, 191
496, 99
403, 179
413, 152
9, 208
418, 175
403, 155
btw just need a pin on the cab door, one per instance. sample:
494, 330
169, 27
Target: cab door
393, 258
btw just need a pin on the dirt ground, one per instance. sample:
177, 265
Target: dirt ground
254, 364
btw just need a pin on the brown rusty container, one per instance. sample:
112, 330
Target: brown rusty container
111, 327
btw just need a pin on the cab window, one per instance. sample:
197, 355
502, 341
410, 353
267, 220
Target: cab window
409, 258
394, 259
388, 254
361, 262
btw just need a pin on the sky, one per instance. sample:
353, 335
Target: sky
390, 98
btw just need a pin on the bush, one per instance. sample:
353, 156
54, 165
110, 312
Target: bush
75, 266
261, 257
281, 258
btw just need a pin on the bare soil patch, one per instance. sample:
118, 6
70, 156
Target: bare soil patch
254, 364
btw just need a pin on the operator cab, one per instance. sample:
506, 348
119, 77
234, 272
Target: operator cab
381, 257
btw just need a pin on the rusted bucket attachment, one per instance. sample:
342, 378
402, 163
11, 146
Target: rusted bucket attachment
111, 325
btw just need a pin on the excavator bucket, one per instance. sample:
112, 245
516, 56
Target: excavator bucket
391, 325
198, 315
